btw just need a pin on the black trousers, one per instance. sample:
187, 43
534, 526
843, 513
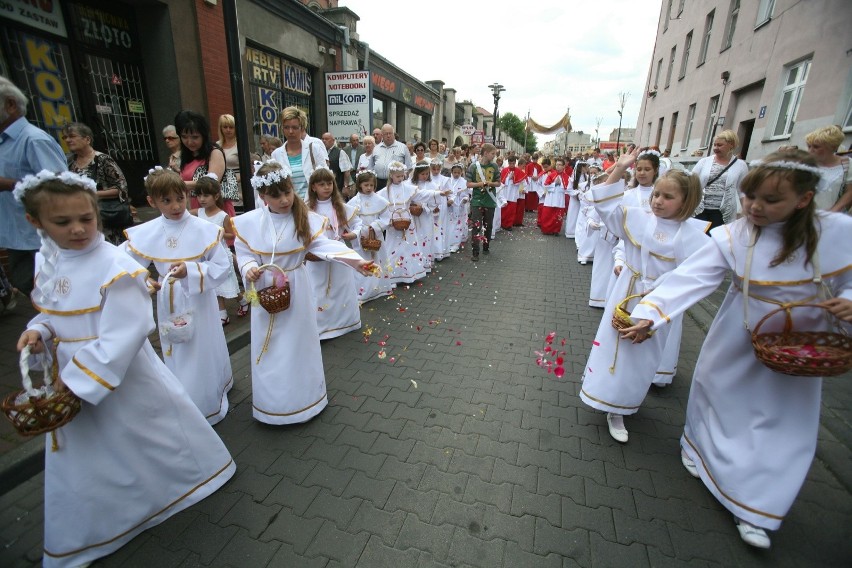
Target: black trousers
381, 183
482, 221
712, 215
22, 269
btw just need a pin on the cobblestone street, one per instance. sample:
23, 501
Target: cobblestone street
454, 448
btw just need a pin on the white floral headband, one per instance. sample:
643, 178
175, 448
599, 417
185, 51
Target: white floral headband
152, 171
370, 172
396, 167
648, 152
68, 178
787, 165
212, 175
326, 168
275, 176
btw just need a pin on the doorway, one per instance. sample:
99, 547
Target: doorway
744, 133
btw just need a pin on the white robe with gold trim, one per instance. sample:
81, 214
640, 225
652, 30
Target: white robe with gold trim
618, 373
202, 364
338, 310
374, 213
287, 377
139, 451
407, 260
752, 432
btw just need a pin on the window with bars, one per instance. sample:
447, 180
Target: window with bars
705, 42
795, 77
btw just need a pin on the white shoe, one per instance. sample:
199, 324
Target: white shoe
689, 465
619, 434
752, 535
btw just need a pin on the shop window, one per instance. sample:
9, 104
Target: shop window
275, 84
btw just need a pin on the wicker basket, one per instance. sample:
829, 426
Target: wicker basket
370, 242
400, 221
802, 353
621, 317
274, 299
37, 411
415, 209
311, 257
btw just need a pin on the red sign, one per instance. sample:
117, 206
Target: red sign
116, 80
610, 145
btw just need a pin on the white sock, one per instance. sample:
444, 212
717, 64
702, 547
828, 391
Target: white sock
617, 420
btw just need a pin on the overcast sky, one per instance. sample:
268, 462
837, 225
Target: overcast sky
549, 54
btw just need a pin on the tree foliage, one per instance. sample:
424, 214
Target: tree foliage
513, 126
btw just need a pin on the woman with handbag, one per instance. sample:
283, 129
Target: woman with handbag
720, 176
113, 200
228, 142
301, 154
199, 155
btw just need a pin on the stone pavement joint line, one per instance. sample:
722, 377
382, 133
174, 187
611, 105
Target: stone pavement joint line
455, 449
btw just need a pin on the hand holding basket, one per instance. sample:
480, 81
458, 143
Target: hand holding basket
621, 319
275, 298
34, 411
400, 221
370, 242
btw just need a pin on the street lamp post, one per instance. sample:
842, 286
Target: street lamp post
622, 100
726, 75
496, 89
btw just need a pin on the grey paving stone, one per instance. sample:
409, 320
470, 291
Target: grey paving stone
368, 463
292, 495
292, 529
481, 467
598, 519
333, 479
608, 553
204, 538
508, 527
377, 522
245, 550
337, 545
448, 483
545, 506
408, 473
400, 449
615, 498
514, 555
653, 532
338, 510
498, 495
573, 543
542, 459
451, 510
634, 479
150, 552
673, 510
425, 537
356, 420
420, 503
505, 472
289, 556
478, 425
377, 555
713, 547
251, 516
256, 484
506, 451
468, 550
464, 442
355, 438
378, 423
374, 406
369, 488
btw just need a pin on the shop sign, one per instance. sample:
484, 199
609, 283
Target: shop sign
267, 110
383, 84
467, 129
135, 106
103, 29
52, 93
297, 78
45, 15
349, 103
103, 109
264, 68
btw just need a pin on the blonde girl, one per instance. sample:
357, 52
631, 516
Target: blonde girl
288, 381
374, 213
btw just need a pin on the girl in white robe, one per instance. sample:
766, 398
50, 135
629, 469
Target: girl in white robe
287, 377
192, 263
405, 253
618, 374
442, 217
585, 237
604, 263
458, 211
373, 213
577, 184
750, 432
338, 310
427, 228
139, 450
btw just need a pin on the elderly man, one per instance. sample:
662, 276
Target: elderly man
339, 163
377, 134
390, 150
24, 150
355, 150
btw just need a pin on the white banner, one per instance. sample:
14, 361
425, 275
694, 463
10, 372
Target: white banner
45, 16
349, 101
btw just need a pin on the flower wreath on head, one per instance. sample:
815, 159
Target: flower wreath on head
68, 178
275, 176
648, 152
153, 170
396, 167
326, 168
365, 171
787, 165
